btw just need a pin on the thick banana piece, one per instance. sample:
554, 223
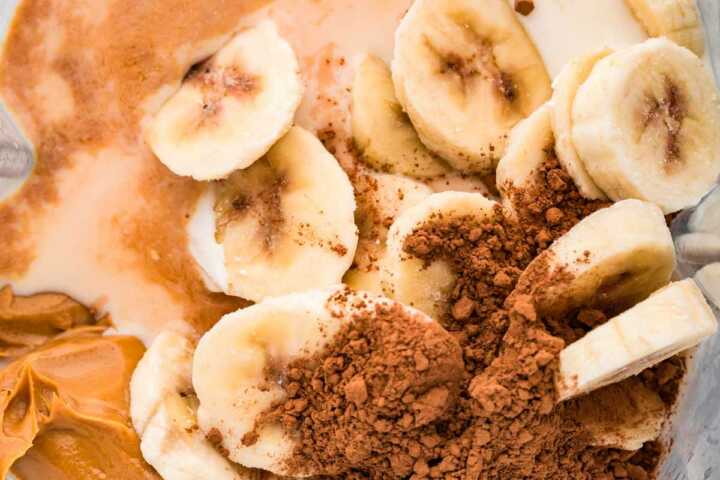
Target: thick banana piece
565, 87
527, 149
466, 72
645, 125
162, 407
678, 20
708, 278
616, 256
283, 225
382, 197
405, 277
671, 320
382, 130
231, 109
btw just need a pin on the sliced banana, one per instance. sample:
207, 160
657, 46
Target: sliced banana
230, 109
565, 87
706, 217
381, 199
625, 415
671, 320
382, 130
405, 277
527, 149
645, 125
284, 225
466, 72
678, 20
162, 407
708, 278
238, 367
698, 248
615, 257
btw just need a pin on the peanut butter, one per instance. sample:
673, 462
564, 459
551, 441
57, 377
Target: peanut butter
64, 406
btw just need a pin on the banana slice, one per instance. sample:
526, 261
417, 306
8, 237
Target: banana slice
382, 131
231, 109
708, 278
678, 20
381, 199
527, 149
466, 72
405, 277
706, 217
162, 407
615, 257
625, 415
645, 125
238, 366
698, 248
671, 320
565, 87
283, 225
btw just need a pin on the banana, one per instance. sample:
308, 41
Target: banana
698, 248
238, 366
466, 72
162, 407
381, 129
381, 198
231, 109
671, 320
678, 20
706, 217
625, 415
708, 278
283, 225
406, 278
645, 125
565, 87
615, 257
528, 147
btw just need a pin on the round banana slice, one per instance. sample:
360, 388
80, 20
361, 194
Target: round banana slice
231, 109
163, 406
381, 197
698, 248
407, 278
565, 87
283, 225
706, 217
238, 367
678, 20
708, 278
614, 258
527, 149
670, 321
645, 125
382, 131
466, 72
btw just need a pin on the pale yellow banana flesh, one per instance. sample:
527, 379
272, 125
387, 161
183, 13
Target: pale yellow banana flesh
381, 129
678, 20
230, 111
466, 72
670, 321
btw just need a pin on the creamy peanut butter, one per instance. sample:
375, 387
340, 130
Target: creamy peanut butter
64, 409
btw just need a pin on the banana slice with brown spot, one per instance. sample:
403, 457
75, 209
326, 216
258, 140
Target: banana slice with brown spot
382, 130
645, 125
283, 225
671, 320
466, 72
613, 258
231, 109
565, 87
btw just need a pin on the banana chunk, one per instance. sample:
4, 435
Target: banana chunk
382, 130
706, 217
708, 278
671, 320
405, 277
698, 248
239, 363
565, 87
382, 197
615, 257
678, 20
645, 125
162, 407
466, 72
283, 225
527, 149
231, 109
